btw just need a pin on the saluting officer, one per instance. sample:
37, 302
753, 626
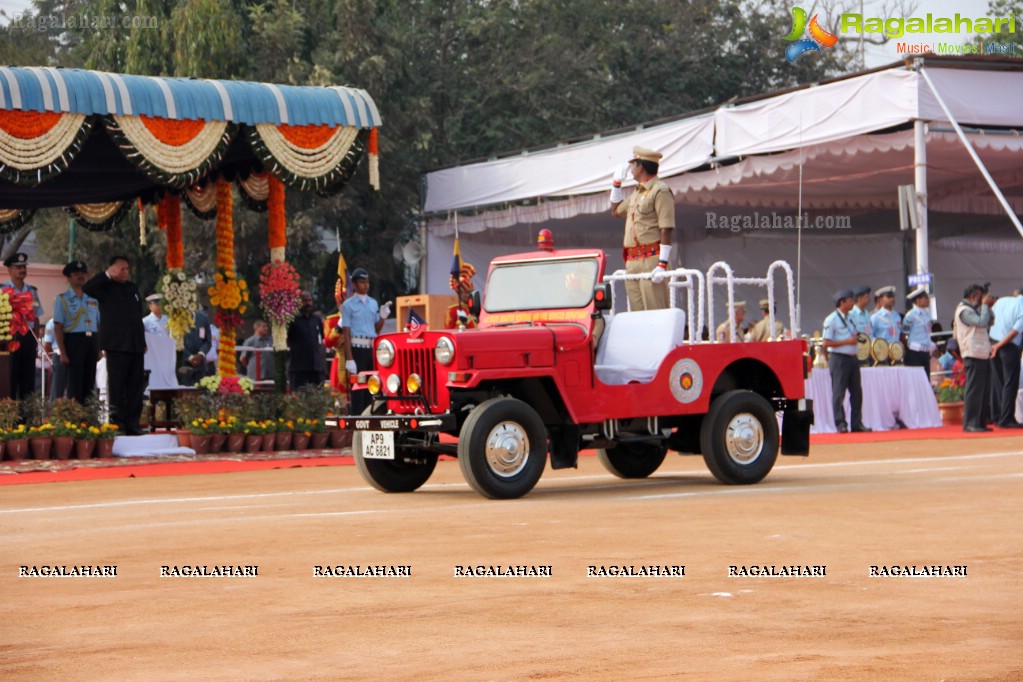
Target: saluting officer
886, 323
23, 360
76, 330
649, 222
840, 340
762, 329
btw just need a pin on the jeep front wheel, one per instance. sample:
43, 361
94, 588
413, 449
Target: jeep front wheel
502, 448
739, 437
632, 460
408, 471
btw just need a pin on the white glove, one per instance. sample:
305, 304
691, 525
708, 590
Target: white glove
665, 256
463, 317
659, 274
617, 177
385, 311
350, 367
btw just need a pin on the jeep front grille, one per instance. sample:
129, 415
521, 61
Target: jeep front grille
422, 362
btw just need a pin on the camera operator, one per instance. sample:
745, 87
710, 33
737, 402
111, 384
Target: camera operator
970, 324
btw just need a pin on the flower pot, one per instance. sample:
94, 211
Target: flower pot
201, 444
300, 441
283, 441
17, 449
41, 446
104, 448
253, 443
269, 442
84, 447
217, 442
235, 442
339, 439
63, 447
951, 413
318, 441
184, 438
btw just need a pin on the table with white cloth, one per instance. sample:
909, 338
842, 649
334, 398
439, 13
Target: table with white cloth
889, 393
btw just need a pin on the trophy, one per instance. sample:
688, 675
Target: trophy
896, 352
879, 351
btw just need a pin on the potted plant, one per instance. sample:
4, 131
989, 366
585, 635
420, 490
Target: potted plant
190, 407
200, 431
10, 415
85, 440
950, 397
285, 429
64, 434
17, 442
105, 440
253, 432
301, 434
235, 434
269, 427
40, 440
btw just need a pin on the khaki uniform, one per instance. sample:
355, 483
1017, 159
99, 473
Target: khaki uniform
721, 333
761, 330
650, 209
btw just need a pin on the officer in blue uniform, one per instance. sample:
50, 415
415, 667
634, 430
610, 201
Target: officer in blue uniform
76, 331
886, 323
859, 315
363, 318
917, 328
840, 339
23, 360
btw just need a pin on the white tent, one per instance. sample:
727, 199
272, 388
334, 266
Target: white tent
839, 149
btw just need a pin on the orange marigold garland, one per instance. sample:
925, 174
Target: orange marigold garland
228, 293
278, 240
168, 216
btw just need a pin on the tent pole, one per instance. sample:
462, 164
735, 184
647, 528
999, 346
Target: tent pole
973, 154
920, 182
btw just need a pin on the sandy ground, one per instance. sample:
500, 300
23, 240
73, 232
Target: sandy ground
949, 503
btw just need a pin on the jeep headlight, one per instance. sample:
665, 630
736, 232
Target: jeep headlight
445, 351
373, 384
413, 383
385, 353
393, 384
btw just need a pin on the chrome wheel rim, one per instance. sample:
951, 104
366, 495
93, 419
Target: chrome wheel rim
744, 438
507, 449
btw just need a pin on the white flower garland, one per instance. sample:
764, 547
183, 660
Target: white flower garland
178, 159
180, 301
308, 163
39, 152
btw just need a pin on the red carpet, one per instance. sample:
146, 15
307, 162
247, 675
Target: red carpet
941, 433
121, 468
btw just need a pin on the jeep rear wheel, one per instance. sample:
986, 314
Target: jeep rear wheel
408, 471
502, 448
739, 437
632, 460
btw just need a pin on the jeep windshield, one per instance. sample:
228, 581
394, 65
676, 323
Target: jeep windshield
541, 285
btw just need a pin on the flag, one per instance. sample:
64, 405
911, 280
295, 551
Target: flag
341, 291
416, 325
456, 266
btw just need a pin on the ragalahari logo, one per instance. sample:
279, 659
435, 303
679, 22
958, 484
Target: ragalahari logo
818, 36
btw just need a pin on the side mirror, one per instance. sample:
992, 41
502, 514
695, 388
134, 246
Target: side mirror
602, 296
475, 304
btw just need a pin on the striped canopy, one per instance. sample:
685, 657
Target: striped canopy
92, 141
95, 92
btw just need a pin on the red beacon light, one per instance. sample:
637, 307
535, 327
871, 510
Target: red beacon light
545, 240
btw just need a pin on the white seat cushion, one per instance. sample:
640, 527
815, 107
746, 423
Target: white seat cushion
634, 344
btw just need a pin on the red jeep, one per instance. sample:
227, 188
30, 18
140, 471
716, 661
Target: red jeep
553, 370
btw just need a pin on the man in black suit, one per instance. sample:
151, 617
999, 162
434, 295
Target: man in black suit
122, 337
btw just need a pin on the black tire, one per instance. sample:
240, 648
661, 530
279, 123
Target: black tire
409, 470
739, 438
632, 460
502, 448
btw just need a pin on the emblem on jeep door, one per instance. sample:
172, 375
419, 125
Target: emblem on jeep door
686, 380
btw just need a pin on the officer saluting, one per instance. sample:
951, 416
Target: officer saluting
76, 330
23, 360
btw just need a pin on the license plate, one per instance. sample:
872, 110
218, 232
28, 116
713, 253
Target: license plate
378, 445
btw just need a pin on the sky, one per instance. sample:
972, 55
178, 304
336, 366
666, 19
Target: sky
874, 55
